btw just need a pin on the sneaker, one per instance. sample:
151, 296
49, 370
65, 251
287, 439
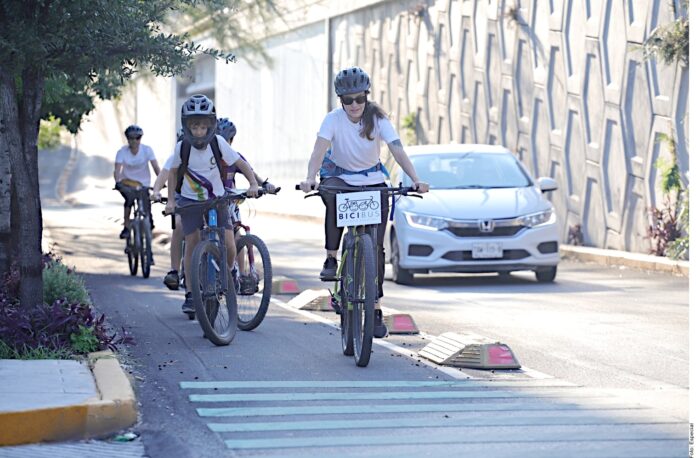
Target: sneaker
380, 327
124, 233
187, 307
172, 280
328, 272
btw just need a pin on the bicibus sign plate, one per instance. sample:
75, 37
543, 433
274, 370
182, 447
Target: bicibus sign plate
358, 208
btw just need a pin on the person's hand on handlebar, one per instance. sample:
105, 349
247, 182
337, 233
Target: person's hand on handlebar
156, 197
253, 190
169, 208
308, 184
420, 187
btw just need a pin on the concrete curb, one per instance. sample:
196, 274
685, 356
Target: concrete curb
113, 409
624, 258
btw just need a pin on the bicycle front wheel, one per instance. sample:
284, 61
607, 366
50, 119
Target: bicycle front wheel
346, 311
362, 292
132, 248
216, 308
145, 246
254, 281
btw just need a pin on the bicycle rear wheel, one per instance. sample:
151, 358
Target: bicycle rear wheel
362, 293
254, 281
145, 246
216, 309
132, 248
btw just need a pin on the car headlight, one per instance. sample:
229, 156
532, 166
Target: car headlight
431, 223
536, 219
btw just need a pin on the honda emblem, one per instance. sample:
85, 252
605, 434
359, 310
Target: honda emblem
486, 225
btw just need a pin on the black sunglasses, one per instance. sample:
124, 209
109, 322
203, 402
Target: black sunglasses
346, 100
135, 138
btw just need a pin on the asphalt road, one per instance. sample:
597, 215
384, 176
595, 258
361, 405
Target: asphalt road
607, 337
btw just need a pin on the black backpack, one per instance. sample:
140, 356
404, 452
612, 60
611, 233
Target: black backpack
185, 153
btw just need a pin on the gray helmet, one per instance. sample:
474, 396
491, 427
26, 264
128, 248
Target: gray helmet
226, 129
198, 106
133, 130
351, 80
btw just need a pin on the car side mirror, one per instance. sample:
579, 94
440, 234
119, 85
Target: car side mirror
547, 184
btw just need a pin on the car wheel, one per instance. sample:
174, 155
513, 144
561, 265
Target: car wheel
546, 274
399, 275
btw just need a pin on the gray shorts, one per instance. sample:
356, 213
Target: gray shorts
191, 212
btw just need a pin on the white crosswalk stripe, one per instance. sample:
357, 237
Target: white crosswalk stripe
346, 418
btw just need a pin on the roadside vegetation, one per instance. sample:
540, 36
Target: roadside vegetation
64, 326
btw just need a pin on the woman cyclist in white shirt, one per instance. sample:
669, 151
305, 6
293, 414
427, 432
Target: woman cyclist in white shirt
354, 133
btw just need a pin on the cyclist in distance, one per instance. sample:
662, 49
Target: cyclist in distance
196, 174
354, 133
131, 171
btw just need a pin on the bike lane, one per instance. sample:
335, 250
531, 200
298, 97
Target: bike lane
285, 389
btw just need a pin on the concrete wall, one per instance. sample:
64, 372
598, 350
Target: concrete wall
560, 82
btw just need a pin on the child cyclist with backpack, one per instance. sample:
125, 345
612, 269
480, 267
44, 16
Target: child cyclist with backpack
196, 174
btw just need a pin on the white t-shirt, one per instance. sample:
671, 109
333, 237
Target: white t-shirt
203, 175
351, 151
136, 166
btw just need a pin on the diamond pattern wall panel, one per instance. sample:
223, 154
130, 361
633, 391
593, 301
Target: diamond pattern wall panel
559, 82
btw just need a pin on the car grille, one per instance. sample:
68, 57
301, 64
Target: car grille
499, 231
508, 255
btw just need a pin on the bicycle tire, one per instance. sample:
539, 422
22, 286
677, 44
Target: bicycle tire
364, 292
132, 249
253, 306
145, 247
346, 315
219, 324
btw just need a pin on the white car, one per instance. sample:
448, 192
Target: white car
484, 213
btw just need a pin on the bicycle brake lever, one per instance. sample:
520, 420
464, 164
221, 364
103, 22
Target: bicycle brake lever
311, 195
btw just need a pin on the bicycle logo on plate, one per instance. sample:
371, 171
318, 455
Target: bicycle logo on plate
358, 208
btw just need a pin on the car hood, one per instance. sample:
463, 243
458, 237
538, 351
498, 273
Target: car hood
477, 203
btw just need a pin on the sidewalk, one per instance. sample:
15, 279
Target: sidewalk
60, 400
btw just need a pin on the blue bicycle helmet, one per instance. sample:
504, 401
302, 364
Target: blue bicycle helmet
226, 129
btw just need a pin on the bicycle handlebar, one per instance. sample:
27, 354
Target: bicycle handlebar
402, 190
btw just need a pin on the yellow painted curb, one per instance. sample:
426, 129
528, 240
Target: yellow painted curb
114, 409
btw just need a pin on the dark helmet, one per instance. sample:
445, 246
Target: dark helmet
226, 129
133, 130
201, 107
351, 80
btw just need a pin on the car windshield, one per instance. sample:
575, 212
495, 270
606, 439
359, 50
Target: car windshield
469, 171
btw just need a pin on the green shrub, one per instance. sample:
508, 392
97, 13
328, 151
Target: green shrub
60, 282
84, 341
49, 133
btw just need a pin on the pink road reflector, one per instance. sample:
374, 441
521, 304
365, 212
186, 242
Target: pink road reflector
401, 323
501, 355
284, 285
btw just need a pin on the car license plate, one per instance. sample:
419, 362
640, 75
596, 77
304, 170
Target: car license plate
487, 250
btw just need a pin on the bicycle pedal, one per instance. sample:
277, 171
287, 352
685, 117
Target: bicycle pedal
328, 278
335, 303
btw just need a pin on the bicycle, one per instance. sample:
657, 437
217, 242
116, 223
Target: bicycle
355, 290
139, 240
213, 293
252, 274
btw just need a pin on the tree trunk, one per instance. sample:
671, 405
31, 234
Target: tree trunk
25, 175
9, 140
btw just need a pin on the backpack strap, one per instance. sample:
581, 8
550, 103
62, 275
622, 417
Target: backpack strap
185, 154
